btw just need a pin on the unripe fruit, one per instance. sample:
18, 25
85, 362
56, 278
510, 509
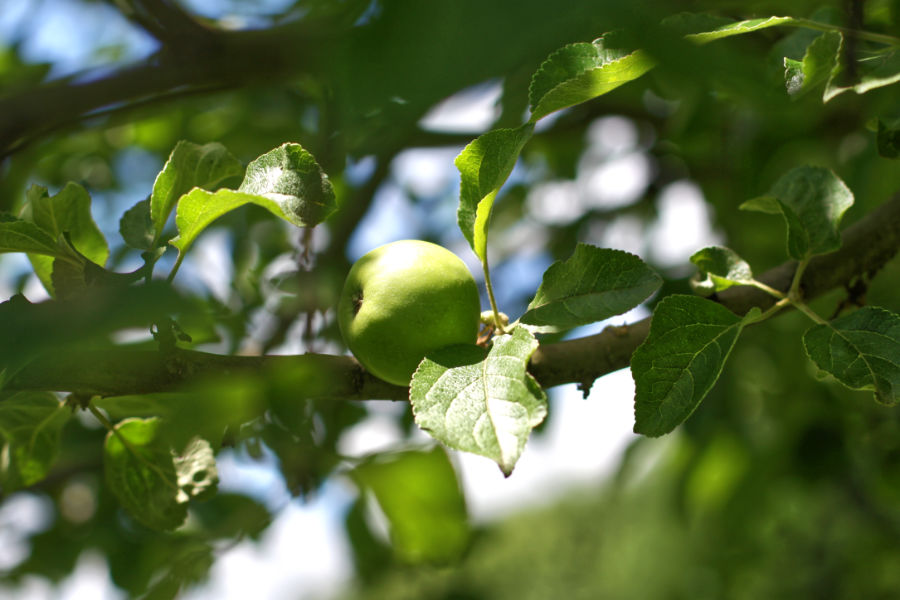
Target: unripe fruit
404, 300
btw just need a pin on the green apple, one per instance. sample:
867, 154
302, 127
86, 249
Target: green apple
404, 300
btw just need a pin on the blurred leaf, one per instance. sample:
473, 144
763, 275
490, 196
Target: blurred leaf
189, 563
580, 72
819, 62
871, 72
720, 268
592, 285
421, 498
136, 226
681, 359
31, 424
290, 178
888, 139
65, 215
484, 404
140, 471
196, 470
812, 200
189, 166
484, 165
740, 27
232, 516
861, 350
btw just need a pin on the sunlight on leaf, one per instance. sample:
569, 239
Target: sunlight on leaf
720, 268
30, 425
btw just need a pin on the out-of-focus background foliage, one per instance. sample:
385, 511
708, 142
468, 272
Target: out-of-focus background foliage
780, 486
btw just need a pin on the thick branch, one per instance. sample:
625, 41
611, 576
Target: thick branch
868, 245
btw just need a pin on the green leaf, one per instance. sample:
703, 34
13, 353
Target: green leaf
419, 494
739, 28
484, 404
67, 215
720, 268
290, 178
819, 62
871, 72
888, 139
189, 166
580, 72
689, 341
592, 285
484, 165
141, 473
136, 226
196, 469
17, 235
31, 424
861, 350
812, 200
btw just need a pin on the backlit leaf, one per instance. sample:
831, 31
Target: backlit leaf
580, 72
592, 285
861, 350
484, 165
189, 165
818, 64
140, 471
419, 494
30, 425
484, 403
739, 28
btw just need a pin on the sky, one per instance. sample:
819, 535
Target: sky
304, 551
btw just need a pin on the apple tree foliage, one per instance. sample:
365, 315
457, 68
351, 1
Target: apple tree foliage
168, 406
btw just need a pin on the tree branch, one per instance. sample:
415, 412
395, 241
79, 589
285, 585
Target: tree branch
868, 246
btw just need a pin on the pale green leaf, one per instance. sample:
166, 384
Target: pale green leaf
141, 474
689, 341
486, 404
31, 424
189, 165
580, 72
290, 178
592, 285
195, 468
812, 201
419, 494
861, 350
739, 28
720, 268
484, 165
65, 215
819, 62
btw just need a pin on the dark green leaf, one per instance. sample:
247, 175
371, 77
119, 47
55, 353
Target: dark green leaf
861, 350
31, 424
888, 139
720, 268
189, 166
421, 498
140, 471
486, 404
484, 165
592, 285
689, 341
812, 201
136, 226
580, 72
818, 64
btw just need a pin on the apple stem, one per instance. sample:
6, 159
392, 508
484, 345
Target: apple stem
490, 291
